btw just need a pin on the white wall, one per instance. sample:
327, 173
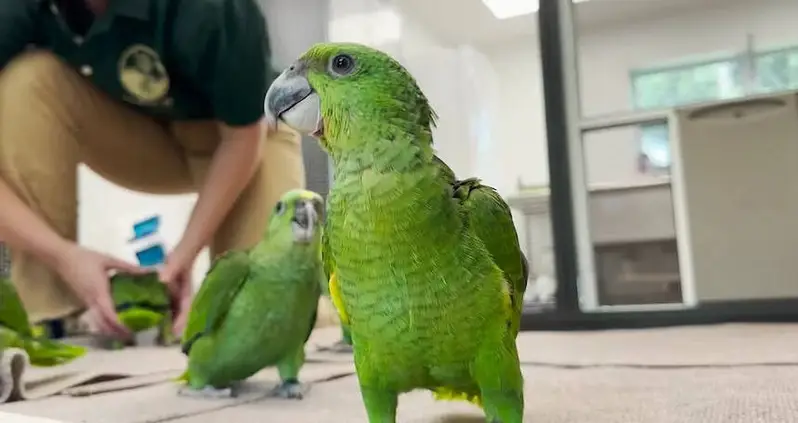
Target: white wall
606, 57
451, 77
106, 213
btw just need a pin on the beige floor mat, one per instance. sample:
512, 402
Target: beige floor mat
160, 402
721, 373
746, 395
716, 345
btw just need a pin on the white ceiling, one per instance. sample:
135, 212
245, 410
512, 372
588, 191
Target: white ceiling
470, 21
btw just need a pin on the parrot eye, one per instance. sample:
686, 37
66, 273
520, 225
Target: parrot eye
342, 64
279, 208
319, 206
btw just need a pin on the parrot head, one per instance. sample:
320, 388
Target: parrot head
298, 217
347, 94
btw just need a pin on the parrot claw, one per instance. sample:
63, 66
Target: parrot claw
208, 392
290, 390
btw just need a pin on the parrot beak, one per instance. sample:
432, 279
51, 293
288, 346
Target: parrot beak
305, 221
291, 99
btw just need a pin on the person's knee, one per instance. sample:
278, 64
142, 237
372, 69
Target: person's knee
30, 74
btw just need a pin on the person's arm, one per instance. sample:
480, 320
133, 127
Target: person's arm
224, 48
22, 230
232, 166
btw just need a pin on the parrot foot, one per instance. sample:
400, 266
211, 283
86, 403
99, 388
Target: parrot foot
116, 344
166, 339
208, 392
290, 389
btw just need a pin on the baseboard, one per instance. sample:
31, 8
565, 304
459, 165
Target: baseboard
754, 311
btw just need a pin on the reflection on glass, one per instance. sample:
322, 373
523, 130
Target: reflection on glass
661, 88
655, 150
777, 70
702, 82
630, 211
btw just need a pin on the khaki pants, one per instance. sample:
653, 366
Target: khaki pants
51, 119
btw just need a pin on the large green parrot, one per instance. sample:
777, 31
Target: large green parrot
257, 308
17, 332
142, 303
426, 270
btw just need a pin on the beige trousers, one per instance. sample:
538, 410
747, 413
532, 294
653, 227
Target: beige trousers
52, 119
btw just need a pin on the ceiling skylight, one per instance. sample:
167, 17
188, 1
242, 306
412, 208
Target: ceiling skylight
506, 9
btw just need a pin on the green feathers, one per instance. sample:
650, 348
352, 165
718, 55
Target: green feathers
141, 301
257, 307
12, 313
16, 332
224, 280
426, 268
489, 216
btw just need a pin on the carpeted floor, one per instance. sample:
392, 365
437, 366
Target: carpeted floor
710, 374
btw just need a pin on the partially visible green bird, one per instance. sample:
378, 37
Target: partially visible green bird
142, 303
257, 308
426, 269
17, 332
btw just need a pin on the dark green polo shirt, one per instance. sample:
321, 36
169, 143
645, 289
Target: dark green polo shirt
175, 59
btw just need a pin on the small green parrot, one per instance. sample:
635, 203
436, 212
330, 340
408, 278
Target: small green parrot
142, 303
257, 308
16, 332
426, 270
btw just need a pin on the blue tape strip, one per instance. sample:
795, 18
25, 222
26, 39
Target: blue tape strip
145, 228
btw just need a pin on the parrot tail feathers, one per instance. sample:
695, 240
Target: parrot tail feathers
183, 378
448, 394
47, 353
338, 302
188, 343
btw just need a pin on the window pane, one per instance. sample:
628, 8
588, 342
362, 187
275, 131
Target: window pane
655, 145
777, 71
689, 84
653, 90
675, 87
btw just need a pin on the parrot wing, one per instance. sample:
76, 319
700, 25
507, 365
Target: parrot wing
224, 280
315, 316
492, 221
330, 288
445, 171
326, 261
139, 290
12, 313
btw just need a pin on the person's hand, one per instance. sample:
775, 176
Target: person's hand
176, 274
87, 273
